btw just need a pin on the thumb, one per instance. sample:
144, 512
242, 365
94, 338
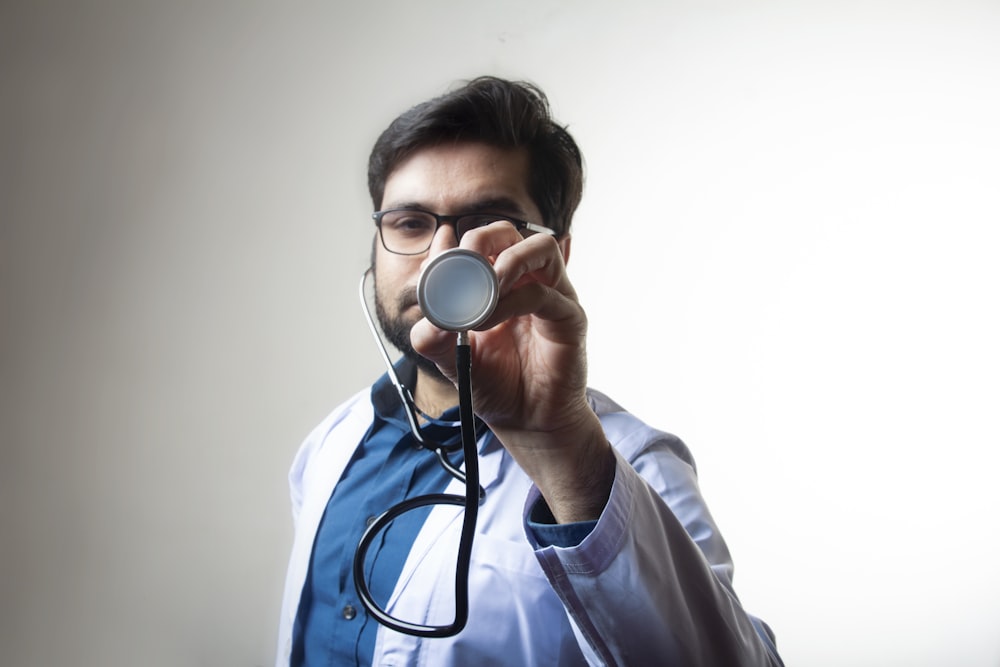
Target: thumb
435, 344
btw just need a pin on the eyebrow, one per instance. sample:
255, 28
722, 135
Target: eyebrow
489, 205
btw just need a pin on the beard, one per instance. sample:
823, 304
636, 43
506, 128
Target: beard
396, 328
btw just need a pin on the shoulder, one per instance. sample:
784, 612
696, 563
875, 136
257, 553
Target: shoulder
358, 403
355, 410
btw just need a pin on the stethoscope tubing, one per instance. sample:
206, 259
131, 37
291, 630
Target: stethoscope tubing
470, 501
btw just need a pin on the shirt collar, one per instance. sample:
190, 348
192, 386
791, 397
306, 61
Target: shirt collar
389, 408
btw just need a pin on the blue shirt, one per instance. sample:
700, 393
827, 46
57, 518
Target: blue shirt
332, 627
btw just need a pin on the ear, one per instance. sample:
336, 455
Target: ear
564, 245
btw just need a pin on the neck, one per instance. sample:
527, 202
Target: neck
434, 393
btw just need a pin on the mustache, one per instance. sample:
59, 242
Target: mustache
406, 298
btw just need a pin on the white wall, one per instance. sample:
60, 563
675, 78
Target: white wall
791, 210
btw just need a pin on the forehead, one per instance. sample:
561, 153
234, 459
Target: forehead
446, 178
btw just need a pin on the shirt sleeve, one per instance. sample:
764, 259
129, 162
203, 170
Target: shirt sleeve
651, 583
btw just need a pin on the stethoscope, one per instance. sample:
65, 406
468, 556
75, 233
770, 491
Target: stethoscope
457, 291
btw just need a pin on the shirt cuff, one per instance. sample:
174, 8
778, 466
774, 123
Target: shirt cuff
548, 533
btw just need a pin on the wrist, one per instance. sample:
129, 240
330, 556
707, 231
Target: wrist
573, 467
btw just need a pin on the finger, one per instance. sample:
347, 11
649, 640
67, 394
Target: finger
558, 317
516, 257
492, 239
537, 258
435, 344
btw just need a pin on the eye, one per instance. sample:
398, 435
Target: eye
410, 223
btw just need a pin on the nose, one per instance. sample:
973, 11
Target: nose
445, 238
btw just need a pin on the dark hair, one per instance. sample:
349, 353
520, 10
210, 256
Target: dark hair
506, 114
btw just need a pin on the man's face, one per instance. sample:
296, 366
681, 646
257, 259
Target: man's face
448, 180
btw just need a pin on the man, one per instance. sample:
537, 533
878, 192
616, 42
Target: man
593, 544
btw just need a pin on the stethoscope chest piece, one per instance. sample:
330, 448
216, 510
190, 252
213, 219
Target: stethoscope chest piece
457, 290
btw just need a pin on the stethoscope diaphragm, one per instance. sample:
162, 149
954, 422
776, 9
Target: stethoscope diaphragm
457, 290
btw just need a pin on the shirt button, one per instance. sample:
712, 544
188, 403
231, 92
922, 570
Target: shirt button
369, 521
349, 612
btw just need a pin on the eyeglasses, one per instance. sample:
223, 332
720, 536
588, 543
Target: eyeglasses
407, 231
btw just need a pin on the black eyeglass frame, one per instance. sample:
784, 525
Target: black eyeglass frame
453, 220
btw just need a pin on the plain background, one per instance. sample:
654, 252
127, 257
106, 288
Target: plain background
788, 249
